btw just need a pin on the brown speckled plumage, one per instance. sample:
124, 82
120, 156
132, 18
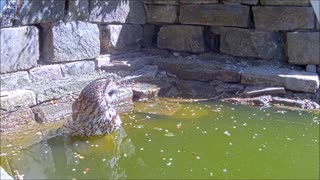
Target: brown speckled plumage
93, 112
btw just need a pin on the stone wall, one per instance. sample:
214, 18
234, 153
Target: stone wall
47, 40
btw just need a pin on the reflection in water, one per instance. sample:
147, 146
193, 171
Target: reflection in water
71, 155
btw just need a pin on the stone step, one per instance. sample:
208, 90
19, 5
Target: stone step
290, 79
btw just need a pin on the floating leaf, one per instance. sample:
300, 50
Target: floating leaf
169, 134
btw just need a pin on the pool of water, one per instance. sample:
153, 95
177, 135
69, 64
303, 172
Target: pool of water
184, 140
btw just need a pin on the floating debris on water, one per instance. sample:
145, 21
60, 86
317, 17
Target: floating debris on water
139, 126
169, 134
157, 128
227, 133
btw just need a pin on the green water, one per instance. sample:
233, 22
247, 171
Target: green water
206, 140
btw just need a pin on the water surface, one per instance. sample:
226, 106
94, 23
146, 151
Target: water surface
184, 140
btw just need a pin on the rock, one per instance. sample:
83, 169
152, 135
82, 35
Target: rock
249, 2
262, 91
303, 47
71, 41
258, 101
162, 14
283, 18
200, 70
21, 50
224, 15
39, 11
121, 38
15, 98
148, 35
15, 80
53, 111
125, 96
78, 68
252, 43
170, 2
285, 2
311, 68
4, 175
128, 63
199, 1
46, 73
304, 104
144, 91
103, 60
147, 73
110, 11
78, 10
195, 89
290, 79
182, 38
8, 13
14, 119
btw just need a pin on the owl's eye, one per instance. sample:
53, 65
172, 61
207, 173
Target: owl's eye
112, 92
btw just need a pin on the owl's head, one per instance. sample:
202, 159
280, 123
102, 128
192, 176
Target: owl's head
111, 92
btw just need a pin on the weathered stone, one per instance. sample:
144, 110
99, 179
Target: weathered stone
19, 48
52, 111
182, 38
121, 38
162, 14
303, 47
199, 1
11, 120
215, 15
147, 73
200, 70
290, 79
170, 2
195, 89
15, 98
129, 64
249, 2
110, 11
144, 91
78, 68
77, 10
304, 104
285, 2
311, 68
125, 95
60, 90
4, 175
261, 91
45, 73
103, 60
14, 80
251, 43
70, 41
40, 11
8, 12
283, 18
148, 35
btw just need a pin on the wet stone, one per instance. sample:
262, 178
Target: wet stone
144, 91
19, 117
53, 111
262, 90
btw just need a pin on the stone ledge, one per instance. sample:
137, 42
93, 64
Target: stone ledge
17, 98
290, 79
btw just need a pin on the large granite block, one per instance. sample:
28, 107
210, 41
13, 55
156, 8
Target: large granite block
45, 73
162, 14
182, 38
111, 11
290, 79
19, 48
285, 2
249, 2
77, 10
17, 98
251, 43
71, 41
283, 18
120, 38
303, 47
39, 11
214, 15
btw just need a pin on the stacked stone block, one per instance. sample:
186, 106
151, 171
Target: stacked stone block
44, 40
